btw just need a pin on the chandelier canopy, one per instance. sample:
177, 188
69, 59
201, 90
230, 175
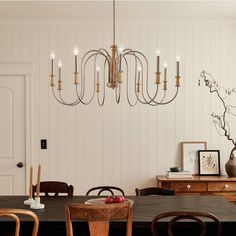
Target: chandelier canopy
112, 71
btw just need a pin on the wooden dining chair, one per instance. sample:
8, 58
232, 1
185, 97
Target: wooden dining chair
98, 217
54, 189
195, 216
154, 191
110, 189
12, 213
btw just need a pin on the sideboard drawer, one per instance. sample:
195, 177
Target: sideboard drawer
188, 186
221, 186
201, 185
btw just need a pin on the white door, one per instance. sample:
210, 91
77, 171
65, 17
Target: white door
12, 135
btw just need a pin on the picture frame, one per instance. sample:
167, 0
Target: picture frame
190, 155
209, 162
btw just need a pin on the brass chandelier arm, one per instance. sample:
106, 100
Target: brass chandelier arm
150, 99
77, 101
172, 99
118, 91
101, 103
86, 58
129, 52
127, 85
169, 101
81, 95
62, 101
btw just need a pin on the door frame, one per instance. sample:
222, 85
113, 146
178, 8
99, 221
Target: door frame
27, 70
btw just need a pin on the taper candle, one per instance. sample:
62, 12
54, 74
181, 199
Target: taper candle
139, 73
31, 182
158, 61
38, 181
76, 52
120, 57
59, 67
177, 65
52, 61
165, 70
97, 69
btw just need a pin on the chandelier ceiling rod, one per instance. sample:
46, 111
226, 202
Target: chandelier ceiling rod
108, 72
114, 22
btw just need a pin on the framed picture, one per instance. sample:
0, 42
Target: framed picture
209, 162
190, 156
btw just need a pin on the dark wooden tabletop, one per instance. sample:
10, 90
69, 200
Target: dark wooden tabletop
144, 210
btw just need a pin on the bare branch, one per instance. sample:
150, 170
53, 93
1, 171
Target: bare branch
220, 121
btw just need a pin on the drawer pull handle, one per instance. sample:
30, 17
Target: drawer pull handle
226, 186
188, 186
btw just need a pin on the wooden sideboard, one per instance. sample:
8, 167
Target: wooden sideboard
201, 185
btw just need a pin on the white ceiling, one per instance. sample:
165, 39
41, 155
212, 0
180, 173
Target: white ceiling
129, 9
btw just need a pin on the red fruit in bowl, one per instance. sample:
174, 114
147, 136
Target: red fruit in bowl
119, 199
109, 200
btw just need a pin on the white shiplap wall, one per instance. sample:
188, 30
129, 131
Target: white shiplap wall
116, 144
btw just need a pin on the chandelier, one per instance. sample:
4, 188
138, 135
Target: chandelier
113, 71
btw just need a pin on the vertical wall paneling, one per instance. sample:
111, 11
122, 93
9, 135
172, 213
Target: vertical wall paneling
53, 117
43, 95
180, 104
35, 58
118, 144
188, 82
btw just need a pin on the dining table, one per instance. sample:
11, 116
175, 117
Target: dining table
145, 208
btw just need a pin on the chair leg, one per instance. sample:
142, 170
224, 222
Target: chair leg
69, 229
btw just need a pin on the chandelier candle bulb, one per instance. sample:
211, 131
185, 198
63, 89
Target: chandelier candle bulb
120, 63
165, 74
139, 74
177, 65
59, 64
158, 61
59, 80
59, 67
120, 50
98, 69
52, 62
97, 84
76, 52
165, 71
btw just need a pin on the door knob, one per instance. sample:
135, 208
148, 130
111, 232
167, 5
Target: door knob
20, 164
